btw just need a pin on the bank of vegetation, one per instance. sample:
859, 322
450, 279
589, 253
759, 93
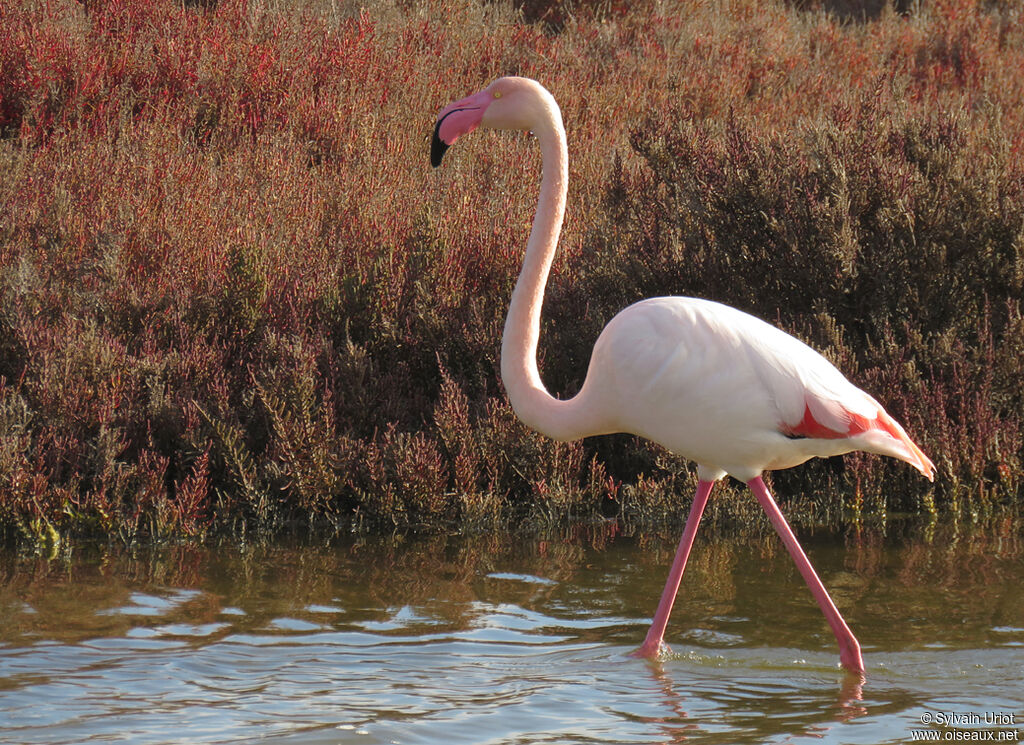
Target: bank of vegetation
233, 294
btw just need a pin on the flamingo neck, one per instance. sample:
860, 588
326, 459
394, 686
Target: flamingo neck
531, 401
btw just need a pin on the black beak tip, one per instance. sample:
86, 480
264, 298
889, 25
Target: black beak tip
437, 147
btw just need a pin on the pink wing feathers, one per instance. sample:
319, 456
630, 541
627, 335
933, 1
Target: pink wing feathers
833, 409
815, 400
881, 432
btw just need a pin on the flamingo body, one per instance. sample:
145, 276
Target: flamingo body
730, 392
708, 382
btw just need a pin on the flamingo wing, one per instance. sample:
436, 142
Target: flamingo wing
816, 401
720, 386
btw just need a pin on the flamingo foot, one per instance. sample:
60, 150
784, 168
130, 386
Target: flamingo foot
850, 658
653, 650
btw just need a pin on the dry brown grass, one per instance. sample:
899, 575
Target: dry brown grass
233, 293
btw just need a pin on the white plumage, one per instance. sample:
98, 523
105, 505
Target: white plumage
728, 390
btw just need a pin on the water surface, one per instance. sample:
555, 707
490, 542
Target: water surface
513, 640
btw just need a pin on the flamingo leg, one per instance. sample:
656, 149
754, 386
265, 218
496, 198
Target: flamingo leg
654, 644
849, 648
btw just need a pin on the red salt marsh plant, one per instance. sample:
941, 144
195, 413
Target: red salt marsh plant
232, 295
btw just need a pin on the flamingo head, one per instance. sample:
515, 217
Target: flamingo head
507, 103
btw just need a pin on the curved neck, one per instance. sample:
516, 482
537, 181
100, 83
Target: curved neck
527, 394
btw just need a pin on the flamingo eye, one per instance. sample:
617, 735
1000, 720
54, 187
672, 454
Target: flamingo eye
497, 94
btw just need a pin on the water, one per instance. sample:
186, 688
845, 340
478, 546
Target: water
513, 640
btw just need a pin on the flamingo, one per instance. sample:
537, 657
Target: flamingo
706, 381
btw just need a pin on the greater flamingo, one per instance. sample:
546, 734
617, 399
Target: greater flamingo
704, 380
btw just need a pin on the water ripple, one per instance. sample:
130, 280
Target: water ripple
318, 648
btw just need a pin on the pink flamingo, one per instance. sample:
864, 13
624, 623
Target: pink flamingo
704, 380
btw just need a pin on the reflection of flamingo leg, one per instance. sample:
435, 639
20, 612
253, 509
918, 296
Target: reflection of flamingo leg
654, 643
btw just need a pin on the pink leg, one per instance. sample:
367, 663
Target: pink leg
849, 649
654, 645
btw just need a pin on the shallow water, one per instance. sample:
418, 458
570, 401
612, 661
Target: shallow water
513, 640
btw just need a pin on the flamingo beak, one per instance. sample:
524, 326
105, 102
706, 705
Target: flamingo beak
457, 119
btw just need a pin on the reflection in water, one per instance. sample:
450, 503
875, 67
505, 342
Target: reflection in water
506, 639
806, 717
